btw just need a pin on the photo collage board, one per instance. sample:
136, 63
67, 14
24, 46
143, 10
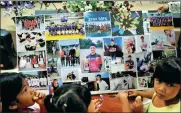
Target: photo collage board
104, 51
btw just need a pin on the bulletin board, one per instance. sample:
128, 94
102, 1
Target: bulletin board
118, 47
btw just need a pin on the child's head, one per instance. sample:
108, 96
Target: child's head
15, 92
92, 49
69, 98
167, 78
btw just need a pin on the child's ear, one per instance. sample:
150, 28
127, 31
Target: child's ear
13, 105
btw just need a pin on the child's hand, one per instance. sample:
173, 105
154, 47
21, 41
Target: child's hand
138, 105
133, 93
39, 98
92, 107
123, 96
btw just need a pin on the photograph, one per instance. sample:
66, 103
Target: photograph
163, 39
71, 74
69, 53
96, 81
37, 79
161, 21
142, 82
30, 41
130, 62
123, 80
64, 26
54, 84
97, 24
127, 23
143, 43
144, 64
30, 23
53, 52
129, 45
91, 55
53, 72
35, 60
113, 48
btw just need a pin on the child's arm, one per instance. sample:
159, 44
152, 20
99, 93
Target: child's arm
123, 96
39, 99
145, 93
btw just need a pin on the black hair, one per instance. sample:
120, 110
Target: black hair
98, 75
129, 56
168, 70
93, 45
10, 86
69, 98
112, 40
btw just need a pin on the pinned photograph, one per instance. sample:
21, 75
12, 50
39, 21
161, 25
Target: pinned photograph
129, 45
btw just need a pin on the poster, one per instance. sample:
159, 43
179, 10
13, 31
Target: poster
103, 51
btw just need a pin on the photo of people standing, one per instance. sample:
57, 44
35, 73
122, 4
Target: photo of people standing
123, 80
30, 41
129, 45
129, 63
64, 26
69, 53
37, 79
91, 52
35, 60
30, 23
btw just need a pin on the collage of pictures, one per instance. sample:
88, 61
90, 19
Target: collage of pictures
104, 51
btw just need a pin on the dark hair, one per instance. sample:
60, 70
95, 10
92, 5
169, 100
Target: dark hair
69, 98
55, 88
112, 40
129, 56
142, 37
10, 86
168, 70
93, 45
98, 75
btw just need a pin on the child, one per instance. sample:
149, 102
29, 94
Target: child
166, 94
71, 98
16, 95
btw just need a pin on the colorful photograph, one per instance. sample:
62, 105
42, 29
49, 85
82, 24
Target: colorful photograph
130, 62
123, 80
91, 55
127, 23
64, 26
30, 23
30, 41
35, 60
129, 45
97, 24
69, 75
163, 39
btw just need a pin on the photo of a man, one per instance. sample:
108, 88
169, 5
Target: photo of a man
93, 60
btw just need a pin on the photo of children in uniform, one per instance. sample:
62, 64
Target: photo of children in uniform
142, 82
130, 63
69, 53
37, 79
97, 24
35, 60
96, 81
52, 53
30, 23
70, 74
162, 39
143, 43
64, 25
127, 23
144, 64
30, 41
129, 45
123, 80
91, 52
161, 21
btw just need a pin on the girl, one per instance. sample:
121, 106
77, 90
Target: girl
166, 94
71, 98
170, 37
16, 95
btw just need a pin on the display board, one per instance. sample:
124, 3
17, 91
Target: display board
106, 51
